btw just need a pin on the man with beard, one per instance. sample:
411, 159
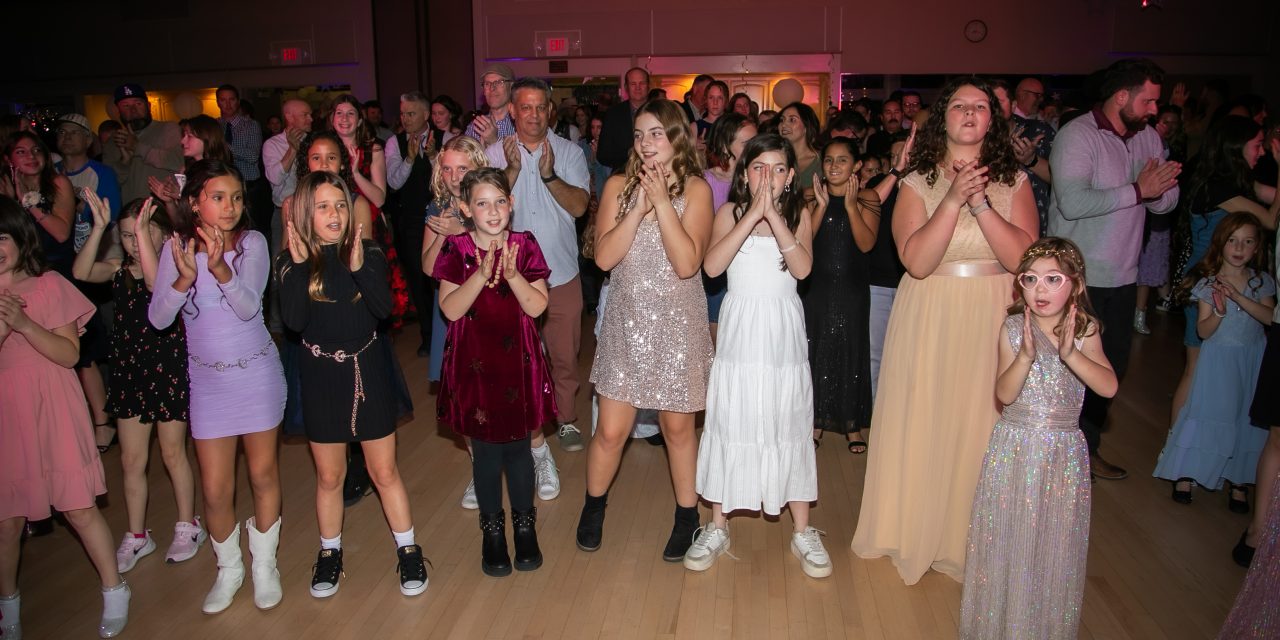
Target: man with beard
890, 123
1108, 171
143, 148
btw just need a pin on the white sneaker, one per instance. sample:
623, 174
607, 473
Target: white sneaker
807, 546
708, 544
187, 540
546, 476
132, 549
10, 622
469, 496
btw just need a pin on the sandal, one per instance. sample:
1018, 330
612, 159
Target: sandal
1183, 496
115, 436
860, 446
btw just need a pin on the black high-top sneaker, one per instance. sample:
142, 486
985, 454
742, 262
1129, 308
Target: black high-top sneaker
326, 573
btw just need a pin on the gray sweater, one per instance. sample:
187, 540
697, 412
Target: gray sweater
1095, 203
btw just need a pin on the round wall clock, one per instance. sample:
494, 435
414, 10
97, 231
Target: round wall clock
975, 31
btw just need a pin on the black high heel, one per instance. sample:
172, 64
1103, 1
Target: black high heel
1243, 553
1241, 505
115, 436
1183, 497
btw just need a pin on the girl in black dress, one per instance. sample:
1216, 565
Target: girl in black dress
148, 378
334, 292
837, 303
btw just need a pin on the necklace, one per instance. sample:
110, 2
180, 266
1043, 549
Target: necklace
497, 267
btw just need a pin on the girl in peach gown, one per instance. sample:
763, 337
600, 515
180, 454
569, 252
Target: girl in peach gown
963, 219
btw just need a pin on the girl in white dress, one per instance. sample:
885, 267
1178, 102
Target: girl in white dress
756, 452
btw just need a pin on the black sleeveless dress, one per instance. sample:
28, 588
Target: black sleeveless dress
837, 316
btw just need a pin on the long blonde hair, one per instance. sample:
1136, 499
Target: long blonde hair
461, 144
685, 163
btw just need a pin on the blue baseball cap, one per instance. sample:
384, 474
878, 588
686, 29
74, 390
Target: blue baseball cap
130, 91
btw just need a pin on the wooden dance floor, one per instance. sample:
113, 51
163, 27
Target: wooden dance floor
1156, 569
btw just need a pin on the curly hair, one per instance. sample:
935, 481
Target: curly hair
467, 146
684, 164
997, 146
1071, 263
302, 167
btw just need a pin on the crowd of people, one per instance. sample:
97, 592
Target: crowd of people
784, 275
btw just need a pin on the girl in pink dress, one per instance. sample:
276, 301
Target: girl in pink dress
495, 386
47, 454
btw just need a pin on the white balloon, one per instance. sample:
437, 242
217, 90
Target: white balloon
786, 91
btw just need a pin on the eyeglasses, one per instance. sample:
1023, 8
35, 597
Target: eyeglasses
1052, 280
1037, 94
495, 84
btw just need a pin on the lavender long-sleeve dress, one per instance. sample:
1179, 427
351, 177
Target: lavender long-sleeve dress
237, 382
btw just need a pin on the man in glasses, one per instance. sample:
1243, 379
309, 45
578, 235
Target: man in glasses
1028, 98
495, 82
74, 137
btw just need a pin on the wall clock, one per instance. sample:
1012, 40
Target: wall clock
975, 31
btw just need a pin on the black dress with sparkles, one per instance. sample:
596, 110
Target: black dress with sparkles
837, 316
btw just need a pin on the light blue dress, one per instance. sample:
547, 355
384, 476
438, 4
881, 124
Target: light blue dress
1212, 440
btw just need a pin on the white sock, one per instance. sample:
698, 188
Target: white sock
403, 539
9, 608
542, 452
331, 543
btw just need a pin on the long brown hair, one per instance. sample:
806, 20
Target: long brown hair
302, 215
210, 133
684, 164
1211, 264
1071, 263
997, 146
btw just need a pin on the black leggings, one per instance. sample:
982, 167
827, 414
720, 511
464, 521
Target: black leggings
488, 462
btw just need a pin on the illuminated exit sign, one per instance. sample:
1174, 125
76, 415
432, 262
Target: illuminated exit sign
557, 44
290, 52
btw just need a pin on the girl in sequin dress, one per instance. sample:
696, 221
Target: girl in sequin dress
1029, 531
495, 388
755, 452
148, 378
654, 349
1212, 441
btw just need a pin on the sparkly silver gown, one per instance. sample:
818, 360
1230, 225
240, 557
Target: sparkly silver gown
1029, 533
654, 347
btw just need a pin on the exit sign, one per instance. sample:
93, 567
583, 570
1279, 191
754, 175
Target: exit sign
290, 52
562, 43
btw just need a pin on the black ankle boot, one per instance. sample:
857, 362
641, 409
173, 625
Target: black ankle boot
494, 560
591, 522
681, 534
528, 555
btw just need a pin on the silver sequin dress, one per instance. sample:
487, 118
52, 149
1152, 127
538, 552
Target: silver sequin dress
1029, 534
654, 348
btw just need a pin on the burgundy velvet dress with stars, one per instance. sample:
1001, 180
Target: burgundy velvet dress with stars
495, 382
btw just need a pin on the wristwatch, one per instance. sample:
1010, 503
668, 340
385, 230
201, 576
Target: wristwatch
553, 177
985, 205
895, 173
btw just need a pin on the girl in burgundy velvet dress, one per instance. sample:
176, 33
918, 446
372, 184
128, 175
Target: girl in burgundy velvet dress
495, 386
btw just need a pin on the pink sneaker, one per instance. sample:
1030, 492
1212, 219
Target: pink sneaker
187, 538
132, 549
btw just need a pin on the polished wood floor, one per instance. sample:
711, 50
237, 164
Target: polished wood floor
1156, 569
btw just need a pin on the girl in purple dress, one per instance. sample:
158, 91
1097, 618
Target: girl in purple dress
495, 386
214, 271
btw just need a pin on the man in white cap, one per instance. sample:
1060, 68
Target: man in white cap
144, 148
74, 137
495, 82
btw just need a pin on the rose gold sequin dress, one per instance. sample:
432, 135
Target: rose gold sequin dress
654, 348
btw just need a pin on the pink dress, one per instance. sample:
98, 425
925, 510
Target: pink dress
47, 453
